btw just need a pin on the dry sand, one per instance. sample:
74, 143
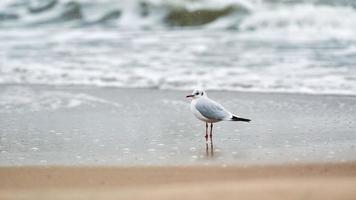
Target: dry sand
317, 181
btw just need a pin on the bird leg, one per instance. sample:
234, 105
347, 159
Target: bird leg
206, 133
211, 140
206, 139
211, 132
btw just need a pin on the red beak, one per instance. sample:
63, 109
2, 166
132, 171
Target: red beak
189, 96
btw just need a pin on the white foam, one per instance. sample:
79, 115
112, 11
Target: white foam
22, 98
301, 22
278, 47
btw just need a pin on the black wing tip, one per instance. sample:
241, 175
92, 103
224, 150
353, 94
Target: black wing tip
234, 118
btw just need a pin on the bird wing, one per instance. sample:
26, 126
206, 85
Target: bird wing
211, 109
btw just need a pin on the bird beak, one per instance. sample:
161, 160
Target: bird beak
189, 96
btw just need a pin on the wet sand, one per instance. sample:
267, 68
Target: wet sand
308, 181
45, 125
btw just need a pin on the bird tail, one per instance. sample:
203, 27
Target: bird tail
235, 118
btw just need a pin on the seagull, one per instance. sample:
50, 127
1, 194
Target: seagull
209, 111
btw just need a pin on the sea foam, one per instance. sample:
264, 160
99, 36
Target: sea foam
268, 46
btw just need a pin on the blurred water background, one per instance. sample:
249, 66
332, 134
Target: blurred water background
306, 46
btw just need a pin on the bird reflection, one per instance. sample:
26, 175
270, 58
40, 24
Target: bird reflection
209, 149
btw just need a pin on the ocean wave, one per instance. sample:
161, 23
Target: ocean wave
316, 80
114, 13
267, 19
300, 46
301, 22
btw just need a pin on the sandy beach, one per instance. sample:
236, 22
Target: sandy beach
308, 181
104, 143
93, 99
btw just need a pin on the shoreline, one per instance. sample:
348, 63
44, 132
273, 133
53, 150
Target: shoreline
94, 87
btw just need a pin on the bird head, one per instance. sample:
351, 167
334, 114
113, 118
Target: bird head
197, 93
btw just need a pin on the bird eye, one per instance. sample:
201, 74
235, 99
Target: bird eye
197, 93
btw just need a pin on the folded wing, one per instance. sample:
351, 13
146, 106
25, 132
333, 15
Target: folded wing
211, 109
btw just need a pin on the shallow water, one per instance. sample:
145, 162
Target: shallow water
95, 126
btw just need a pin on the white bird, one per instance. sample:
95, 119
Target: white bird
210, 111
